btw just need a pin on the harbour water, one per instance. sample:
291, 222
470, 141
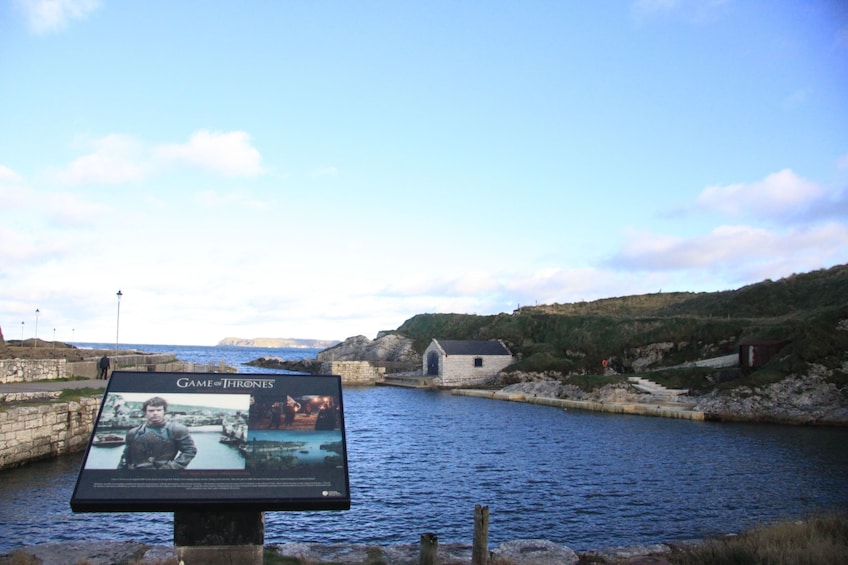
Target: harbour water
420, 460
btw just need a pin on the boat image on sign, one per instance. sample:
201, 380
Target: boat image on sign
108, 440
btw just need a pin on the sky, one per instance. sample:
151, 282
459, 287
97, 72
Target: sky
329, 169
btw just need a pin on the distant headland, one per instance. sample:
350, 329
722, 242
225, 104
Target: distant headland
279, 342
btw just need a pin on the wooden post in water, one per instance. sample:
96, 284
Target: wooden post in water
219, 538
480, 548
429, 549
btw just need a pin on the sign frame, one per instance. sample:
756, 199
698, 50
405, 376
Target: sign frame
282, 444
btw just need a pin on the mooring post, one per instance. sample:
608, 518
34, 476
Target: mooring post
480, 547
429, 549
219, 538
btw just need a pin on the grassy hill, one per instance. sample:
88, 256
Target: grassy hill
810, 310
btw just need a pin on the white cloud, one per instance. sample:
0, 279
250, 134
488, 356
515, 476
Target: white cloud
69, 210
118, 158
12, 194
114, 159
463, 284
45, 16
17, 245
547, 286
741, 248
8, 176
229, 153
213, 199
779, 194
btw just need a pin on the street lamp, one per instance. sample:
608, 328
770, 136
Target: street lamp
118, 325
22, 333
35, 341
54, 338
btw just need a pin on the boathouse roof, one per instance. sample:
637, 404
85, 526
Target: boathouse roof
472, 347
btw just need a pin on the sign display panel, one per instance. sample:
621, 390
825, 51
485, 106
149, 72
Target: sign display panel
208, 441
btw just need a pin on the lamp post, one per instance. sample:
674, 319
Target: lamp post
118, 325
35, 341
54, 338
22, 333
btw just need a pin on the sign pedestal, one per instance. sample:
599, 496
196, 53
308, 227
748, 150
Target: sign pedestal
219, 538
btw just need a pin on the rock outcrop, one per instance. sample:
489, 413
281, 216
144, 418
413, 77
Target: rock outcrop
310, 366
620, 392
389, 347
797, 399
650, 354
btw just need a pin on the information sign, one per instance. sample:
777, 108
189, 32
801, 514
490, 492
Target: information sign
221, 442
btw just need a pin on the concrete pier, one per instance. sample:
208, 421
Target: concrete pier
661, 409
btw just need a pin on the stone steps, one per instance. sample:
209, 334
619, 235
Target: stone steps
656, 389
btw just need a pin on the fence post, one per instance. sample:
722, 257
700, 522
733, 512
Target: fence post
429, 549
480, 548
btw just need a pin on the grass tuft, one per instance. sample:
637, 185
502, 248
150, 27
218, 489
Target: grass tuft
818, 541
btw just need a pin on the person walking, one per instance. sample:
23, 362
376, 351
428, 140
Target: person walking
103, 366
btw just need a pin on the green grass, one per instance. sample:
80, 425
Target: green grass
817, 541
805, 309
589, 383
74, 394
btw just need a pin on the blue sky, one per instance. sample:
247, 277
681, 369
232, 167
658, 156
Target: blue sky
329, 169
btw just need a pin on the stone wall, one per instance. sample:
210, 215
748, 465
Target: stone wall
30, 433
28, 370
354, 372
459, 370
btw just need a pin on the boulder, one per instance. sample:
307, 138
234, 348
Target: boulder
535, 552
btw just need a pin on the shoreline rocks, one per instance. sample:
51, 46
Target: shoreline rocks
804, 400
796, 400
517, 552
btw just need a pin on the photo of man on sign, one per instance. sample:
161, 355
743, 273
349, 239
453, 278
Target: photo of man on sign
158, 443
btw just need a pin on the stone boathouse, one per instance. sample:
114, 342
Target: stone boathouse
458, 363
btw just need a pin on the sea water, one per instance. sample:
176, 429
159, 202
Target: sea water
420, 461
